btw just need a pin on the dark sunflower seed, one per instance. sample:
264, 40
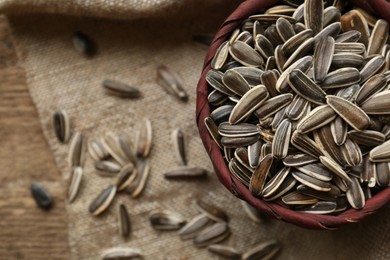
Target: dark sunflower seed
354, 20
166, 220
321, 207
227, 252
171, 83
124, 221
318, 117
192, 228
84, 44
297, 198
121, 89
355, 195
378, 38
339, 130
41, 196
122, 254
61, 124
314, 15
265, 250
212, 235
103, 200
185, 172
220, 56
260, 174
281, 140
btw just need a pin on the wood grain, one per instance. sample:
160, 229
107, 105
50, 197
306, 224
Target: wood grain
26, 232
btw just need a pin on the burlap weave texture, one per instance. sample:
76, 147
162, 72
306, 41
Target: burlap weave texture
130, 51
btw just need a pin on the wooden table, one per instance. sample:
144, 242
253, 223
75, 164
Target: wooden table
26, 232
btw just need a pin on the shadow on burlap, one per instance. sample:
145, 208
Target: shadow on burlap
130, 51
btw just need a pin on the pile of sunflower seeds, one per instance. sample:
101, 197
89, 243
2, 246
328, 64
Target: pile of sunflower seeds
301, 105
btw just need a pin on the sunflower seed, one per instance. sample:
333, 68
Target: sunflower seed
343, 60
138, 185
348, 93
227, 252
179, 146
253, 213
214, 78
254, 154
76, 150
351, 153
42, 197
250, 74
270, 18
221, 114
124, 253
213, 130
265, 250
381, 153
297, 108
284, 29
264, 46
339, 130
354, 48
383, 174
192, 228
368, 173
331, 15
306, 88
349, 36
324, 139
298, 160
280, 58
306, 47
327, 196
332, 30
257, 29
120, 89
354, 20
171, 83
144, 138
314, 15
234, 142
125, 177
317, 118
322, 59
378, 38
212, 235
305, 144
281, 141
271, 63
247, 25
355, 195
245, 54
367, 137
166, 220
273, 105
213, 212
185, 172
241, 173
302, 64
220, 56
279, 188
316, 170
107, 166
74, 184
248, 103
371, 68
84, 44
235, 82
111, 145
126, 147
378, 104
372, 86
281, 9
97, 150
124, 221
321, 207
271, 33
358, 119
265, 150
103, 200
295, 41
335, 168
260, 174
61, 125
297, 198
341, 78
278, 118
216, 98
299, 13
311, 182
238, 130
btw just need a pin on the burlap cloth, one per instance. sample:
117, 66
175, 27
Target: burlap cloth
151, 32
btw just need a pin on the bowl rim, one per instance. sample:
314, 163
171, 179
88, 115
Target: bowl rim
313, 221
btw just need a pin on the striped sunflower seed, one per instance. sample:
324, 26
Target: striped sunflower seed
311, 182
281, 140
331, 15
122, 253
214, 78
253, 213
265, 250
314, 15
383, 174
378, 104
341, 78
321, 207
250, 74
76, 150
42, 197
322, 58
372, 86
335, 168
107, 166
124, 222
378, 37
138, 185
220, 56
245, 54
186, 172
371, 68
273, 105
75, 183
264, 46
332, 30
127, 148
306, 47
324, 140
103, 201
96, 150
213, 130
194, 226
368, 173
318, 117
227, 252
294, 160
285, 29
349, 36
381, 153
302, 64
367, 137
295, 41
120, 89
339, 130
259, 176
111, 145
351, 153
125, 177
297, 108
343, 60
305, 144
144, 139
171, 83
179, 146
331, 195
61, 125
316, 170
235, 82
254, 154
166, 220
355, 195
213, 234
297, 198
213, 212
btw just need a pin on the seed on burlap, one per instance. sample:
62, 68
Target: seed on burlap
111, 145
126, 147
122, 253
297, 198
354, 20
124, 221
306, 88
213, 234
220, 56
178, 141
317, 118
321, 207
107, 166
76, 150
194, 226
61, 124
41, 196
264, 250
223, 251
355, 195
281, 140
166, 220
253, 213
96, 150
248, 103
103, 200
138, 185
120, 89
245, 54
213, 212
185, 172
351, 113
171, 83
314, 15
75, 183
322, 59
84, 44
144, 138
260, 174
125, 177
349, 36
378, 38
